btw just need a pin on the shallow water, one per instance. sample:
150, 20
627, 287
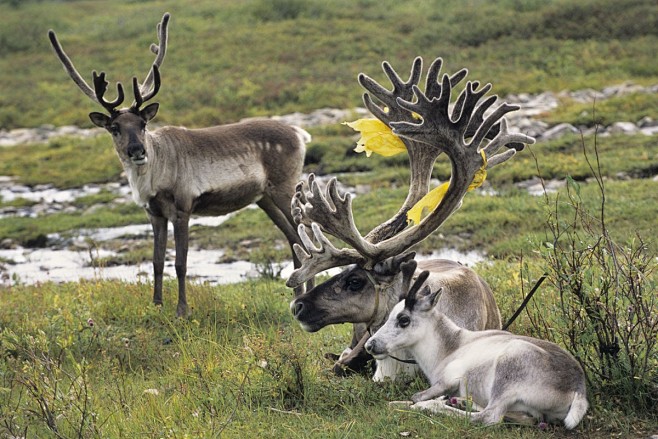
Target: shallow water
30, 266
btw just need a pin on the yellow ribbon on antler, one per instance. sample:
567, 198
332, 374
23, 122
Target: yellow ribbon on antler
433, 198
376, 137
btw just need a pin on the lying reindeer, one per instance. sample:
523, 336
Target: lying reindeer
175, 172
351, 297
366, 291
500, 371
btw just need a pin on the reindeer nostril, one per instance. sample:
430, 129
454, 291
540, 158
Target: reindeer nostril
136, 151
298, 308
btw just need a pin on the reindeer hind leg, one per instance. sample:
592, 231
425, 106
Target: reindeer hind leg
284, 223
182, 238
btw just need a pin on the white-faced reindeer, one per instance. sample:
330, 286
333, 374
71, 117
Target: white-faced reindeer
500, 371
176, 172
365, 292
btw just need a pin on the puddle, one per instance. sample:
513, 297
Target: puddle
469, 258
31, 266
46, 265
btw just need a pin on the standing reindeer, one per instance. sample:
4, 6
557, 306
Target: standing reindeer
501, 372
175, 172
365, 292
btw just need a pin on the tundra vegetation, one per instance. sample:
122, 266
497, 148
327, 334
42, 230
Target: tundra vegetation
95, 359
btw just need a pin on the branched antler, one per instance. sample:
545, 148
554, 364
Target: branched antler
142, 93
315, 259
151, 84
100, 87
428, 127
391, 111
332, 210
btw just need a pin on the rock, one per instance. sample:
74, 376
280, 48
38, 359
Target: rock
647, 122
8, 244
623, 128
559, 130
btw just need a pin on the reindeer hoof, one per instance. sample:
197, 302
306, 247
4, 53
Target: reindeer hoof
342, 370
331, 356
182, 311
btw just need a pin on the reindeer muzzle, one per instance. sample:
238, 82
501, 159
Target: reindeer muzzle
137, 154
376, 349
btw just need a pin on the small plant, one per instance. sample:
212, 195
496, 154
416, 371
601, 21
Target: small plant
606, 312
283, 366
54, 387
268, 261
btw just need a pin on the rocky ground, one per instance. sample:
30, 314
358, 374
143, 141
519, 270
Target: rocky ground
61, 263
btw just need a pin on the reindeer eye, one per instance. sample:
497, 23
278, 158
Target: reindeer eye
114, 129
403, 321
355, 284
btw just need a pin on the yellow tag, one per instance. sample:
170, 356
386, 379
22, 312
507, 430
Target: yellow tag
376, 137
433, 198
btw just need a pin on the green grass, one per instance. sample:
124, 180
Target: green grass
26, 229
65, 162
229, 59
240, 367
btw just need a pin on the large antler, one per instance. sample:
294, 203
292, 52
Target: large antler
391, 111
142, 93
437, 132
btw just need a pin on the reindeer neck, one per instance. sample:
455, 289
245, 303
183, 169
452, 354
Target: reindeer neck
386, 297
142, 178
443, 339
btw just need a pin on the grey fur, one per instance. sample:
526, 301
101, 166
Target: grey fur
176, 172
500, 371
466, 299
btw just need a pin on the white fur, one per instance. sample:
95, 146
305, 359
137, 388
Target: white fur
394, 369
477, 364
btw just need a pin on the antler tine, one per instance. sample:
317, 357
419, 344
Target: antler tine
70, 68
504, 137
139, 99
316, 259
334, 212
391, 110
160, 50
100, 87
433, 86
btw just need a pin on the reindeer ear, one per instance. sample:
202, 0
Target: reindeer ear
99, 119
150, 111
392, 266
426, 299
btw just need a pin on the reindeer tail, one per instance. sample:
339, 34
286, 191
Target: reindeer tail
303, 135
576, 411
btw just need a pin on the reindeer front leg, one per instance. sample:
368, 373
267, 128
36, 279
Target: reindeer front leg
159, 225
181, 238
436, 390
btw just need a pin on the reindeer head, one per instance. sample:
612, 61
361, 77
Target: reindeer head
428, 129
127, 125
356, 295
409, 321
